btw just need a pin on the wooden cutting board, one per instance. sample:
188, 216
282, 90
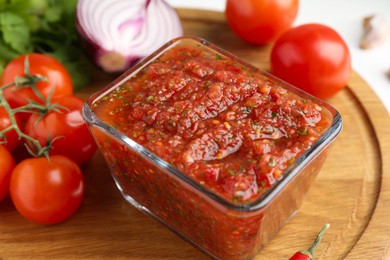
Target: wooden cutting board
352, 192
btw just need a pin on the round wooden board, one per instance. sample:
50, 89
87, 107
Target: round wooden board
352, 192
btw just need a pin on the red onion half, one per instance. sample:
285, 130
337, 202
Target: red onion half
118, 33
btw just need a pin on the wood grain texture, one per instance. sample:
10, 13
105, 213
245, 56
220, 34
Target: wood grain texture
352, 192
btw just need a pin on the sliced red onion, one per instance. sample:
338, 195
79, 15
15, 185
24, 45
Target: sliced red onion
118, 33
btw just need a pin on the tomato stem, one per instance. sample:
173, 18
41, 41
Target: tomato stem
14, 125
32, 80
33, 146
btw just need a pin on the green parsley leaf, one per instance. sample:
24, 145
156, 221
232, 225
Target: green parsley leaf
2, 66
15, 32
6, 52
44, 26
53, 14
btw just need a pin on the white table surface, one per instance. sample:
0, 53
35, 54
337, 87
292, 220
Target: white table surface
345, 16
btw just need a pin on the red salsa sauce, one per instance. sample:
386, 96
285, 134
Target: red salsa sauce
230, 128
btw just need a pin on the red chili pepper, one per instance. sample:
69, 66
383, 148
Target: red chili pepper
309, 253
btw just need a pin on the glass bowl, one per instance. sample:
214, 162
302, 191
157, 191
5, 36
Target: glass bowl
220, 152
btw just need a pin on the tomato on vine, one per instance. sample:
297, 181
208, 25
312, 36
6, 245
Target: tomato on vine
314, 58
260, 21
58, 80
10, 139
66, 127
7, 164
46, 190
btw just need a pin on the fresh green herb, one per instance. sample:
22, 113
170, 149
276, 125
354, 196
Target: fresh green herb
237, 199
303, 131
232, 171
44, 26
218, 56
246, 110
150, 98
272, 162
301, 111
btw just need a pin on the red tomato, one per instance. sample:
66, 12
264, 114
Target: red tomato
11, 138
314, 58
47, 191
58, 78
260, 21
74, 139
7, 164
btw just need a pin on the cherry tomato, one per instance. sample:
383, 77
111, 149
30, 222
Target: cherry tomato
260, 21
74, 139
314, 58
10, 138
47, 191
7, 164
47, 66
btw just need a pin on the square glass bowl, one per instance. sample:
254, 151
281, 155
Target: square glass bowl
220, 152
